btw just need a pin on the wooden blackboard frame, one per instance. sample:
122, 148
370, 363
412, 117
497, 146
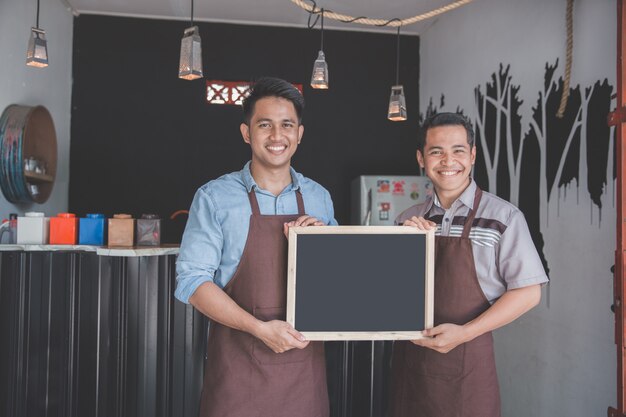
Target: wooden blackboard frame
428, 278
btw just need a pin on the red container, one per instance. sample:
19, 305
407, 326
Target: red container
64, 229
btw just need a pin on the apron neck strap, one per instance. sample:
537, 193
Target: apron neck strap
300, 201
254, 204
472, 214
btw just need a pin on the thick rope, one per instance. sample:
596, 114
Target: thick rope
382, 22
568, 58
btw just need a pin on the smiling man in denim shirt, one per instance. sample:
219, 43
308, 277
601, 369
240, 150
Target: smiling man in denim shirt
232, 267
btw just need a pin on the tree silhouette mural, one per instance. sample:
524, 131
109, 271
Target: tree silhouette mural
532, 163
576, 147
498, 131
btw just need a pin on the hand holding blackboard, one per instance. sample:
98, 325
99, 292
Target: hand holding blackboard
360, 282
305, 220
443, 338
280, 336
421, 223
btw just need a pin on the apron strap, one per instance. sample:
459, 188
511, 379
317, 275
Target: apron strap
254, 204
472, 214
300, 200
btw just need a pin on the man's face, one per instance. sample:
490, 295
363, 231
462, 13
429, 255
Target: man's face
447, 159
273, 134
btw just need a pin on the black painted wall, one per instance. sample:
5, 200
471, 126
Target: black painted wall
143, 141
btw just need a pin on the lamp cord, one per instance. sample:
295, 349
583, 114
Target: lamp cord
321, 12
191, 12
322, 44
398, 57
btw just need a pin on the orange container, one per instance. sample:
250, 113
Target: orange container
121, 230
64, 229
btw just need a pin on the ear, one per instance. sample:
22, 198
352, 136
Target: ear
300, 133
245, 132
420, 158
473, 154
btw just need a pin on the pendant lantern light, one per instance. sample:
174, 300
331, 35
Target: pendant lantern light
190, 64
397, 103
37, 53
319, 78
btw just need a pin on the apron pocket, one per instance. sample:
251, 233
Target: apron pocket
266, 356
424, 361
270, 313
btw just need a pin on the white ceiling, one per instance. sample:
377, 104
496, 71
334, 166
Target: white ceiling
268, 12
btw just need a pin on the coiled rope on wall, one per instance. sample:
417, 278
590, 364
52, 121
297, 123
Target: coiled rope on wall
568, 58
27, 132
12, 181
380, 22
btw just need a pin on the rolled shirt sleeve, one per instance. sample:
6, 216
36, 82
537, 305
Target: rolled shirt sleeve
201, 247
517, 259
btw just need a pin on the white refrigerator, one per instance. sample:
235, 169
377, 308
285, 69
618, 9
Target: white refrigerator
377, 199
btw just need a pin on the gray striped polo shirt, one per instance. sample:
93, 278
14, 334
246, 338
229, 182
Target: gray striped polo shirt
504, 253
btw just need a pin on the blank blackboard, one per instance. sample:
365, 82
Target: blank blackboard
360, 282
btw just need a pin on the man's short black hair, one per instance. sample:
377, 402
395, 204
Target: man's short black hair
445, 119
272, 87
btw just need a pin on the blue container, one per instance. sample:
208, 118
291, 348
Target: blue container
92, 229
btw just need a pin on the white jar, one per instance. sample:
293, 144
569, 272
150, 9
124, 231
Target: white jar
33, 229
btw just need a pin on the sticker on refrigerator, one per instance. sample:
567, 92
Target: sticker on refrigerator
383, 186
398, 188
414, 191
383, 211
429, 188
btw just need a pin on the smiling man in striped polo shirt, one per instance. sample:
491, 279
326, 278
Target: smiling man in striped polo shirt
487, 274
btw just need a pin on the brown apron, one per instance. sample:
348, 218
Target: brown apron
243, 377
462, 382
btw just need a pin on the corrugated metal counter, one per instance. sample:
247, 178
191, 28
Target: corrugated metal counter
88, 331
96, 331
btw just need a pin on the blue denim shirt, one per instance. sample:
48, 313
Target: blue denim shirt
217, 228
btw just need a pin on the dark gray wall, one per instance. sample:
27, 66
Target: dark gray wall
144, 141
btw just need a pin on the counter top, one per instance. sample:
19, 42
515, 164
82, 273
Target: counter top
99, 250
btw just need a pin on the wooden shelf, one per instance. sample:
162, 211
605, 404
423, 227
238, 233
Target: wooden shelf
35, 177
